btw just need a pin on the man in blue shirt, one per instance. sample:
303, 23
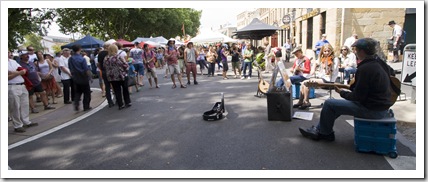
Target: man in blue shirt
81, 75
319, 44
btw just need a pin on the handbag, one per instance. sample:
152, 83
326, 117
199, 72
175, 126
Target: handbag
132, 81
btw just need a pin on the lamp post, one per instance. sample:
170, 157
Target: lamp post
292, 16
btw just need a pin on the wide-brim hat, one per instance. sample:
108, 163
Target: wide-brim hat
366, 44
296, 49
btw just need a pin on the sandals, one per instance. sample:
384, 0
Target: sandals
297, 105
182, 86
174, 86
305, 106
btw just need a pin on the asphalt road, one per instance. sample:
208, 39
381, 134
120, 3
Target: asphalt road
164, 130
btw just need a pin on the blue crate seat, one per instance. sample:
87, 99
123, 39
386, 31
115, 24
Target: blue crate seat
296, 91
376, 135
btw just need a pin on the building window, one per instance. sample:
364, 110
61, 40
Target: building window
310, 33
323, 22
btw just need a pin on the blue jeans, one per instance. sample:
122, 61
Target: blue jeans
294, 79
348, 71
250, 68
333, 108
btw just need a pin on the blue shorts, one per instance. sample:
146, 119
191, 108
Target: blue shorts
139, 68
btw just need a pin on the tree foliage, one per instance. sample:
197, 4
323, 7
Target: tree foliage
23, 21
128, 23
33, 40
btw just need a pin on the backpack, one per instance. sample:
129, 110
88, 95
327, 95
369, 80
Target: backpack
403, 37
278, 53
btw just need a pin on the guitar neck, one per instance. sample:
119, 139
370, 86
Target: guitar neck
330, 85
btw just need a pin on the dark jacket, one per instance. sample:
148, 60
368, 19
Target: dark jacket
372, 85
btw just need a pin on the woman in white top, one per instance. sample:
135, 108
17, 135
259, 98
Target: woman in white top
46, 74
348, 62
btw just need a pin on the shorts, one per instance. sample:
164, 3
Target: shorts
100, 78
225, 66
151, 74
236, 65
139, 68
174, 69
38, 88
190, 67
181, 64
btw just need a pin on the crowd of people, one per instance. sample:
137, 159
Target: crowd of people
69, 73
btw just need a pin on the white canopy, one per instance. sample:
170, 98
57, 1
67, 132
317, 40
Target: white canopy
111, 41
208, 36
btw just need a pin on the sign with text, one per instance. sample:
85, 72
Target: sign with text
408, 72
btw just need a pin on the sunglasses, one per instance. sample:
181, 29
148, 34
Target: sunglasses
30, 49
344, 49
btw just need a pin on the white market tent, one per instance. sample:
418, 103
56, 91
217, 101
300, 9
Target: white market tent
208, 36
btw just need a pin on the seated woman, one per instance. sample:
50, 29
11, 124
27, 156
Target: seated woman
348, 63
327, 72
300, 70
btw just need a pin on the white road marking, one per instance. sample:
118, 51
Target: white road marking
47, 132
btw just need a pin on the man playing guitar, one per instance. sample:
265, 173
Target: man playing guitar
369, 97
300, 70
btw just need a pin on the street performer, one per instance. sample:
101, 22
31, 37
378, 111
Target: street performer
369, 96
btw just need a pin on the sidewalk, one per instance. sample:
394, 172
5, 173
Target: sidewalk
49, 119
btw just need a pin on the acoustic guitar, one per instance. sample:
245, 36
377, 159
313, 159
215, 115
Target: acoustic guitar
394, 88
263, 84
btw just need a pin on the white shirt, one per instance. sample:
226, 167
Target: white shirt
32, 57
13, 65
350, 60
397, 31
63, 62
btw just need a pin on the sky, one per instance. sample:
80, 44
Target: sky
210, 18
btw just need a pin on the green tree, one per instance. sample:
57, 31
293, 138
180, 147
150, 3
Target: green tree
22, 21
128, 23
33, 40
57, 48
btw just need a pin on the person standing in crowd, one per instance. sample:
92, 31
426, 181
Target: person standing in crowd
31, 53
287, 48
99, 73
81, 75
396, 39
149, 61
248, 61
211, 59
117, 74
18, 102
319, 44
348, 63
267, 49
101, 57
190, 55
201, 60
46, 73
218, 60
56, 73
67, 82
160, 58
132, 76
328, 71
171, 56
87, 59
137, 55
181, 64
235, 61
369, 97
224, 52
350, 40
34, 77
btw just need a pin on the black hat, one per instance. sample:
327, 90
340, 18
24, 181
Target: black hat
392, 22
136, 42
368, 45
